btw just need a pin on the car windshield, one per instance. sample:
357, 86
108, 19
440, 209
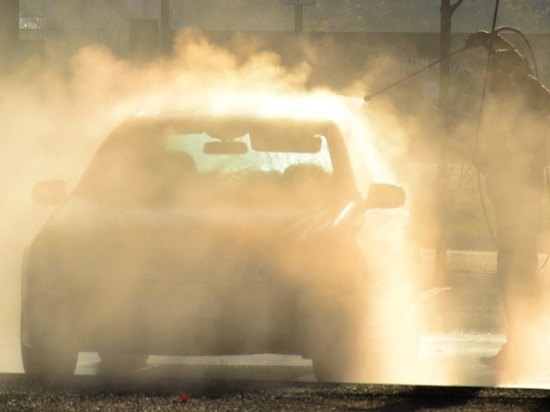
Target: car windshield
197, 161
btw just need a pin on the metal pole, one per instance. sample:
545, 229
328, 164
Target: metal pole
442, 179
9, 33
165, 27
298, 18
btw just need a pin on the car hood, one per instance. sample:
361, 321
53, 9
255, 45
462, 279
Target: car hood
80, 217
215, 244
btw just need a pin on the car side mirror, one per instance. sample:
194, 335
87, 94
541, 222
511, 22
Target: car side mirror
50, 192
384, 196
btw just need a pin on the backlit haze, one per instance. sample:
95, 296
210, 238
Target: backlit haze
52, 121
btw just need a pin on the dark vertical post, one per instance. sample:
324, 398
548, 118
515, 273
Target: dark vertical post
165, 41
442, 166
298, 12
144, 39
9, 32
299, 18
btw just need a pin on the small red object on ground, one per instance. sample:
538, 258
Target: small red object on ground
184, 397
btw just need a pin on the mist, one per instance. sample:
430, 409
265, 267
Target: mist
52, 121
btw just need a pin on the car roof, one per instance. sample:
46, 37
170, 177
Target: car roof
249, 119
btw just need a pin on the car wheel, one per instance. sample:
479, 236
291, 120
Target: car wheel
336, 354
48, 342
122, 362
48, 353
336, 367
45, 360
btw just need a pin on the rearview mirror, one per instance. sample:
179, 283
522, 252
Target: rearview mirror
385, 196
297, 143
49, 192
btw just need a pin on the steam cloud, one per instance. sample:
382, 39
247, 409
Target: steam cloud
52, 121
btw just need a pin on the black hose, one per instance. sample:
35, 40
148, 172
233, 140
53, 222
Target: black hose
526, 40
495, 16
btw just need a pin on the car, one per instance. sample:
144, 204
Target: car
196, 234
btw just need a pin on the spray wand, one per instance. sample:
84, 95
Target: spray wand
369, 97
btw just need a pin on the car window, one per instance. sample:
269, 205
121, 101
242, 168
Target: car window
188, 164
252, 160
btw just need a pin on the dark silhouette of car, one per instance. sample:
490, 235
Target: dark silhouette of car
205, 235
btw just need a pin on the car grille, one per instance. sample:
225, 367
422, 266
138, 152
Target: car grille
189, 271
167, 265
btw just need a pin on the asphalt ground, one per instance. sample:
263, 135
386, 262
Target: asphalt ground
100, 393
